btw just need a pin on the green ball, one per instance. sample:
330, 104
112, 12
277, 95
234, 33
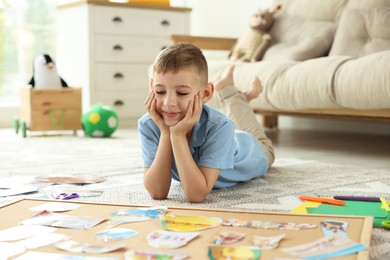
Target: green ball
100, 121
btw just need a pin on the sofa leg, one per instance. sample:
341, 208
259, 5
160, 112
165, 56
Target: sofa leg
270, 121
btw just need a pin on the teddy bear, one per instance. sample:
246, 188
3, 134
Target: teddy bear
45, 74
252, 45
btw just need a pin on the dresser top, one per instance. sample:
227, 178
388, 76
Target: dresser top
116, 4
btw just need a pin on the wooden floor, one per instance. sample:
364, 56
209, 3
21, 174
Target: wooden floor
363, 150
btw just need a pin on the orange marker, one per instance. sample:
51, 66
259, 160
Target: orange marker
323, 200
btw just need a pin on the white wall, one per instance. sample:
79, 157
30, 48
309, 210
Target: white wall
230, 18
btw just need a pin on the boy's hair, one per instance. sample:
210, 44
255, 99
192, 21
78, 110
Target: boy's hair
182, 56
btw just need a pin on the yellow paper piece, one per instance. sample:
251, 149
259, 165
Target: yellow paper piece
301, 209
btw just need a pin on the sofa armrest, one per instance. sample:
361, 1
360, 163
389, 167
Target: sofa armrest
206, 43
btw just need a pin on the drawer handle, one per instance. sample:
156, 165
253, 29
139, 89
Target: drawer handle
165, 23
117, 47
118, 103
117, 19
118, 75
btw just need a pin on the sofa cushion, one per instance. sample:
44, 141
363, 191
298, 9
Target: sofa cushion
363, 83
299, 39
306, 85
320, 10
361, 32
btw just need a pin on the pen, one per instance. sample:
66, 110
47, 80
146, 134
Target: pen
358, 198
323, 200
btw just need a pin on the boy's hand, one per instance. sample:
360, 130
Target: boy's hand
194, 111
150, 105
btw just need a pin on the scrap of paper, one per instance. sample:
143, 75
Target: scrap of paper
55, 207
54, 256
169, 239
189, 223
76, 247
42, 240
118, 220
16, 181
228, 237
326, 247
23, 232
46, 218
17, 190
10, 249
333, 227
233, 253
151, 255
70, 179
267, 225
267, 243
155, 212
114, 234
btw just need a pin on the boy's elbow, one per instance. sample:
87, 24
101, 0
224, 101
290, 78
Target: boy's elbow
198, 198
158, 196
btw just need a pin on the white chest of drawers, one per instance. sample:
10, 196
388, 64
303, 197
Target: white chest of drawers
107, 49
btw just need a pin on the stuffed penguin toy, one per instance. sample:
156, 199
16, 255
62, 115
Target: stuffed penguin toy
45, 74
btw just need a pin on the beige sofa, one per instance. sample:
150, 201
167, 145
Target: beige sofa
328, 58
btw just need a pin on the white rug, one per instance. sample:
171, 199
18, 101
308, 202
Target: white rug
119, 160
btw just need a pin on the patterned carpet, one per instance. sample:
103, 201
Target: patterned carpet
119, 160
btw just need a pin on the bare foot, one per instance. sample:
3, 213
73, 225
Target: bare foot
226, 79
255, 90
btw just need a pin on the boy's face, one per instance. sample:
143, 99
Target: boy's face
173, 92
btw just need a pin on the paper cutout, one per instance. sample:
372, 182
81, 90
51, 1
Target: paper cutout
24, 180
17, 190
46, 218
301, 209
233, 253
152, 213
326, 247
150, 255
115, 221
70, 179
55, 207
42, 240
53, 256
76, 247
189, 223
267, 243
114, 234
22, 232
228, 237
334, 227
267, 225
169, 239
10, 249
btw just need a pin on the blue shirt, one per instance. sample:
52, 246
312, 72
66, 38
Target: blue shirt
214, 144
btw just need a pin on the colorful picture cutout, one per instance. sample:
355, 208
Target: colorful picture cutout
150, 255
151, 213
114, 234
168, 239
228, 237
189, 223
267, 243
233, 253
333, 227
267, 225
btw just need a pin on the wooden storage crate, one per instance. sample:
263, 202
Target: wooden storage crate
49, 109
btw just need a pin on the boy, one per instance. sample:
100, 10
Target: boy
183, 139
